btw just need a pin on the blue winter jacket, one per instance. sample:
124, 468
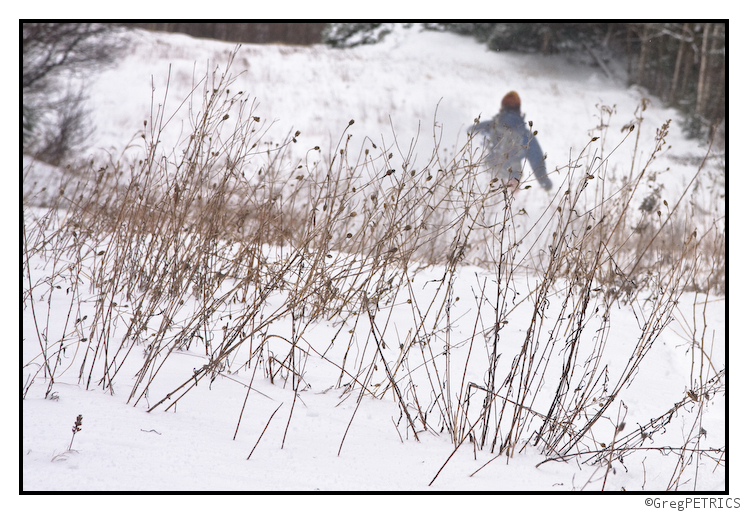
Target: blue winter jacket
509, 142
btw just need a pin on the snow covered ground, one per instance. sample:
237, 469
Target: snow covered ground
405, 90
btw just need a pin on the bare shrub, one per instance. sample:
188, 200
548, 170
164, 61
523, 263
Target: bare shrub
55, 120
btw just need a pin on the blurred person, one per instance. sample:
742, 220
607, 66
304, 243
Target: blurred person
509, 142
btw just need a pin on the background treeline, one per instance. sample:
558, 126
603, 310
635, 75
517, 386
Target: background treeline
683, 64
290, 33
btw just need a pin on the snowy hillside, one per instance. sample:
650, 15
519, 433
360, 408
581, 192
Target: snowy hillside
402, 85
374, 394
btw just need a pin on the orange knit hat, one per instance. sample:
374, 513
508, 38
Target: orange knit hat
510, 101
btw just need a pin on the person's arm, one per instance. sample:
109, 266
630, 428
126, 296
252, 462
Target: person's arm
535, 156
480, 127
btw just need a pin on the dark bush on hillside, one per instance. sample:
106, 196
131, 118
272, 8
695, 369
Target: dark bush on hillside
347, 35
54, 118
